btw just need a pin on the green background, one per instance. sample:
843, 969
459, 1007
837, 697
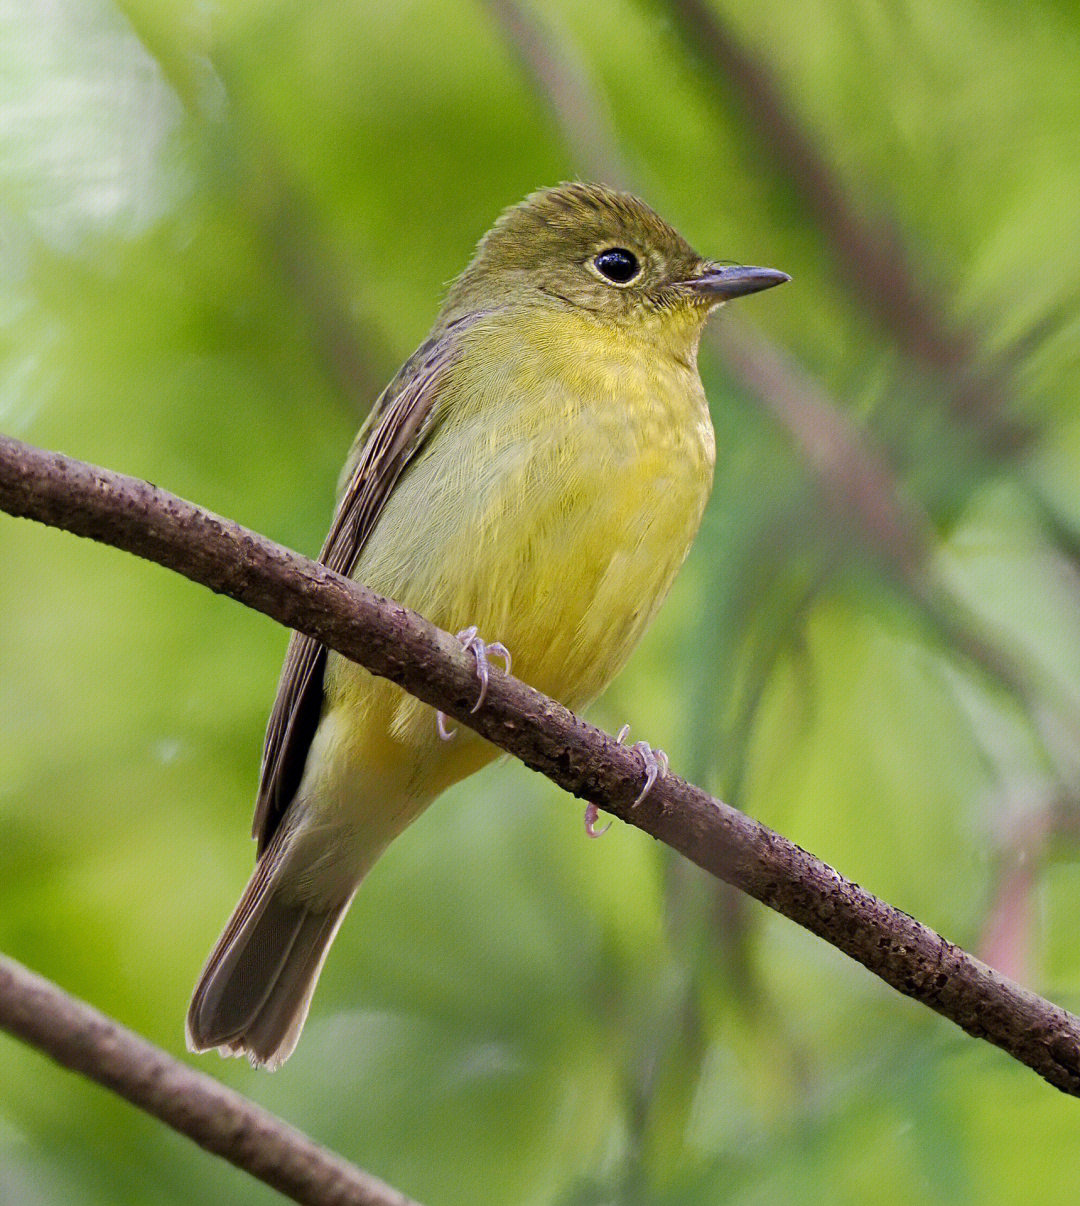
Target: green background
221, 229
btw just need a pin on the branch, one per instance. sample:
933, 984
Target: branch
870, 254
855, 480
396, 643
577, 108
215, 1117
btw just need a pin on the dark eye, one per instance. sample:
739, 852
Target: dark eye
618, 265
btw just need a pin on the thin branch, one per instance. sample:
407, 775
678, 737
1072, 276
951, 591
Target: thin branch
860, 489
577, 108
855, 480
346, 344
215, 1117
1026, 842
870, 254
397, 644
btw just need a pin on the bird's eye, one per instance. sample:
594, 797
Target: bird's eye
617, 265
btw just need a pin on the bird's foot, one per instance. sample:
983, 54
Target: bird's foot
480, 650
591, 813
656, 767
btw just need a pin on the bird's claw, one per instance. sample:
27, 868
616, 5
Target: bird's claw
656, 767
470, 638
591, 813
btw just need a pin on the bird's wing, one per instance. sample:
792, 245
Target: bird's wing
395, 429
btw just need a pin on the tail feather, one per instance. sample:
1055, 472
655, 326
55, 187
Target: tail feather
255, 991
277, 1025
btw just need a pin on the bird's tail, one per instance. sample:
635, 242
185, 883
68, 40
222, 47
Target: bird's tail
254, 993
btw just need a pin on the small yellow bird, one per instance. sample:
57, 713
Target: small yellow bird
538, 470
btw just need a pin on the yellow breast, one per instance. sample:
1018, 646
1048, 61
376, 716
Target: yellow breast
552, 505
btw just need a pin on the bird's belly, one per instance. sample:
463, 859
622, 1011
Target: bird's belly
561, 543
587, 579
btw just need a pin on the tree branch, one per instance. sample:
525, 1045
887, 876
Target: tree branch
577, 109
870, 254
396, 643
215, 1117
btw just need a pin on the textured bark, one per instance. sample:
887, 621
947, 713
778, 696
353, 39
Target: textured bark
396, 643
196, 1105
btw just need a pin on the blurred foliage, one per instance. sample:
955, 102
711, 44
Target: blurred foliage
221, 227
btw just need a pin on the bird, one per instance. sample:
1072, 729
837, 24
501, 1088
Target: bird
536, 473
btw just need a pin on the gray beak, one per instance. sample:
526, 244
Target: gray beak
726, 281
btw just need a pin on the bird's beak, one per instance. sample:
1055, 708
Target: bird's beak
724, 281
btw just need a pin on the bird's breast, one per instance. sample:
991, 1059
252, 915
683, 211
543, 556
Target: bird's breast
553, 504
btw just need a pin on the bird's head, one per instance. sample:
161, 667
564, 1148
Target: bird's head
588, 247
